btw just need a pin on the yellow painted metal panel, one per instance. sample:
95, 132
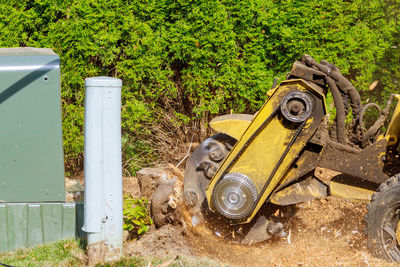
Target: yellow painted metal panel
261, 157
394, 126
257, 158
233, 124
349, 192
302, 191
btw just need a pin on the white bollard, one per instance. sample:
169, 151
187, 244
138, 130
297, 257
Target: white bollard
103, 220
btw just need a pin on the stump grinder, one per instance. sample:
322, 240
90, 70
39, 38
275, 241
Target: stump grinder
268, 159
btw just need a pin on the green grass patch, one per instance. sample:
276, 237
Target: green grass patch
69, 253
179, 261
61, 253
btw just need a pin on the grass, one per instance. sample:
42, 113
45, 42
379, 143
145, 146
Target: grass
61, 253
179, 261
69, 253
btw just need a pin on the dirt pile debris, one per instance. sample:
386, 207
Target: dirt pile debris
326, 232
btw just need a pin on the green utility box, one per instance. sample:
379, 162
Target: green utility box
32, 188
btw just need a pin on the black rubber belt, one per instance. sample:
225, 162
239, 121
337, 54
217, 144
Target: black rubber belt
280, 161
241, 151
267, 120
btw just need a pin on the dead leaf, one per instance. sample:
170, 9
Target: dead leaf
373, 85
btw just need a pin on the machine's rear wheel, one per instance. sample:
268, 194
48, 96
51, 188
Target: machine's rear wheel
383, 219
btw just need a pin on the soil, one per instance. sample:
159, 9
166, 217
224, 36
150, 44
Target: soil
325, 232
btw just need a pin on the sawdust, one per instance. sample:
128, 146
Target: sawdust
326, 232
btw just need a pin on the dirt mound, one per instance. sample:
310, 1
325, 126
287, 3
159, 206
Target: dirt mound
326, 232
168, 240
130, 187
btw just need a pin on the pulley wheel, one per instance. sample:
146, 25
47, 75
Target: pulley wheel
296, 106
234, 197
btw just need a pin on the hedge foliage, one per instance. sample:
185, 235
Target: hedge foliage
186, 59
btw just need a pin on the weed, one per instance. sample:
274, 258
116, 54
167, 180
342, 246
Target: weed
136, 215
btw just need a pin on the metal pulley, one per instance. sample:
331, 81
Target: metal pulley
296, 106
234, 196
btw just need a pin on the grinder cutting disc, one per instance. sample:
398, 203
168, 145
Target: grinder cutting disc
234, 196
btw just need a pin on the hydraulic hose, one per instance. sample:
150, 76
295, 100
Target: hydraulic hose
340, 111
342, 83
378, 123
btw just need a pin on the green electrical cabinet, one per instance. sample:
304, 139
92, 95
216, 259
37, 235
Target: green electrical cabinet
32, 188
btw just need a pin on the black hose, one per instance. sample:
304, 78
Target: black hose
340, 111
378, 123
367, 106
342, 83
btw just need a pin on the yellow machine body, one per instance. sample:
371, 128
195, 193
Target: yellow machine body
232, 124
264, 153
274, 156
393, 130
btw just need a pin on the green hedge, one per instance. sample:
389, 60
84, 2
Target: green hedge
185, 59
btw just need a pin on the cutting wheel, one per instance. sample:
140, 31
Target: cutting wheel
202, 165
234, 196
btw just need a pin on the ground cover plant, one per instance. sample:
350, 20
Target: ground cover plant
136, 215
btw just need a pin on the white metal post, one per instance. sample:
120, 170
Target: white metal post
103, 169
